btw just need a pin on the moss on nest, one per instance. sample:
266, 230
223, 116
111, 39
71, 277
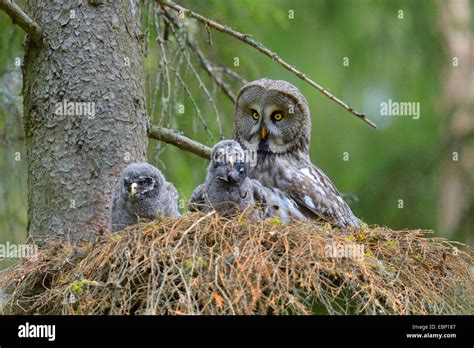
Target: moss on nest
206, 264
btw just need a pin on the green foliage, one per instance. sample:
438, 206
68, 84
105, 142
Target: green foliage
389, 58
78, 286
13, 191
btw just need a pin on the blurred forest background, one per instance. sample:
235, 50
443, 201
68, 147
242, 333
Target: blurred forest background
402, 56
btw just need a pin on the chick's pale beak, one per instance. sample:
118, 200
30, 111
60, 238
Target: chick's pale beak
133, 189
263, 133
231, 160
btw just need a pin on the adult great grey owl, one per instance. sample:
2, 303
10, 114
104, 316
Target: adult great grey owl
272, 117
229, 190
142, 192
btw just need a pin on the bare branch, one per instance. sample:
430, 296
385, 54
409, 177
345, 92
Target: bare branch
191, 98
206, 64
196, 74
19, 17
258, 46
232, 73
164, 74
184, 143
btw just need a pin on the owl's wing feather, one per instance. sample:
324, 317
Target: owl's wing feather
198, 198
316, 194
171, 200
258, 191
275, 202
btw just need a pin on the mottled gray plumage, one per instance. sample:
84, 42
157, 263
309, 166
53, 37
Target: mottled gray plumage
272, 117
227, 186
229, 190
142, 192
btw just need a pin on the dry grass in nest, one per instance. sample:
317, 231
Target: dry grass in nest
205, 264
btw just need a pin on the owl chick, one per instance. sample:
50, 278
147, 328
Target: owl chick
142, 192
229, 190
272, 117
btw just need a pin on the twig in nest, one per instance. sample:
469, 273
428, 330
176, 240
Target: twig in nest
210, 265
260, 47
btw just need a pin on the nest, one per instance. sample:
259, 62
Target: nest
206, 264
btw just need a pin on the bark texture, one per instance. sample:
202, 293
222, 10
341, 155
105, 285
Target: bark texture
456, 194
92, 53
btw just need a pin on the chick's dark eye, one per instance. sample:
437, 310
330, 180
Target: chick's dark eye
144, 181
255, 114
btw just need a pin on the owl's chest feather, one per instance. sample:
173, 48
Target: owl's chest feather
272, 171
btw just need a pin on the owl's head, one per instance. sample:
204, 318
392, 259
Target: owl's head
228, 162
272, 116
141, 180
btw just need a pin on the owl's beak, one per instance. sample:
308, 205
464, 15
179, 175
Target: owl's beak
133, 189
263, 132
231, 160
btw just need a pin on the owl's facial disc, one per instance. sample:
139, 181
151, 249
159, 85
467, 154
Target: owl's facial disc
228, 162
282, 122
267, 121
231, 174
139, 186
271, 139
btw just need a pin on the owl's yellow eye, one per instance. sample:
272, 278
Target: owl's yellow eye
277, 116
255, 115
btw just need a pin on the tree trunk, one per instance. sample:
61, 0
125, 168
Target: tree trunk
92, 55
456, 202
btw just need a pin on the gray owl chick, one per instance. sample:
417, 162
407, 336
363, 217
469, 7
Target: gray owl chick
142, 192
229, 190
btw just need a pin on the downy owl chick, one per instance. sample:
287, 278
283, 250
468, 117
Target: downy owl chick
229, 190
142, 193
